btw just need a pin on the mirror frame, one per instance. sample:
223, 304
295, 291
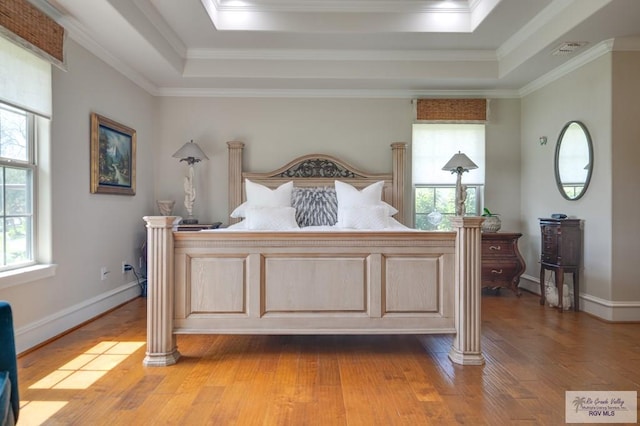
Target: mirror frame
557, 157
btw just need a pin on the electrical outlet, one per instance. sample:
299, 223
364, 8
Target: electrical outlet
103, 273
126, 267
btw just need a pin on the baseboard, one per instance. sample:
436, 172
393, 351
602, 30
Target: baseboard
58, 323
604, 309
529, 283
611, 311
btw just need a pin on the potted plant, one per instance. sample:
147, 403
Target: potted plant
491, 222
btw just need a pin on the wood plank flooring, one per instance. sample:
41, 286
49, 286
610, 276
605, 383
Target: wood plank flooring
533, 355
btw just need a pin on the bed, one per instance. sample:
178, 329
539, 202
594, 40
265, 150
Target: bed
313, 280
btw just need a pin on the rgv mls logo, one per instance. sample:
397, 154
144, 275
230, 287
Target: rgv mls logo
601, 406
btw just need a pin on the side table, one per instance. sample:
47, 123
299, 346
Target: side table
197, 226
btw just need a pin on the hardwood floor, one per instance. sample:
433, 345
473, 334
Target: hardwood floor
533, 355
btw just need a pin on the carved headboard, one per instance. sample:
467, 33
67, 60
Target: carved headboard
319, 170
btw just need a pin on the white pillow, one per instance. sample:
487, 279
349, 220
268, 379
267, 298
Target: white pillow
364, 217
390, 209
349, 196
239, 211
261, 196
271, 218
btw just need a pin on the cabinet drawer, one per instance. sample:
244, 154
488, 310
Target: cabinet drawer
500, 271
498, 248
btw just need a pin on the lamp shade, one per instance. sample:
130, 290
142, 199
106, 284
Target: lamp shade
191, 153
459, 163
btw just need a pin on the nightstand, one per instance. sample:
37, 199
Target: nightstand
502, 263
197, 226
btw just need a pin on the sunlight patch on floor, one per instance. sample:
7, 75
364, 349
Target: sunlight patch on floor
85, 369
33, 413
79, 373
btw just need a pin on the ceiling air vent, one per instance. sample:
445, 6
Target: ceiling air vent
568, 47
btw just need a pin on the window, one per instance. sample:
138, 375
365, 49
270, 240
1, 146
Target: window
25, 160
17, 169
434, 189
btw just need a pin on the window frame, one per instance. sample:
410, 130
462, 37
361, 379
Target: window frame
30, 165
42, 266
479, 187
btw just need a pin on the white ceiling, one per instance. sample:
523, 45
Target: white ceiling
371, 48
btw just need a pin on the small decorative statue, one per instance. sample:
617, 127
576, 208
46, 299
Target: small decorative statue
189, 193
460, 208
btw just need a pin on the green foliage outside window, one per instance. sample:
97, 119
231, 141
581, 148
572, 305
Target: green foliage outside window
16, 193
435, 206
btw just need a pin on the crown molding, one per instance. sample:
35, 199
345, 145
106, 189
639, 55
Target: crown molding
531, 28
416, 16
161, 25
342, 55
582, 59
81, 36
338, 6
329, 93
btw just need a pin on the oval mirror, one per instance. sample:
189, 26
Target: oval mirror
574, 160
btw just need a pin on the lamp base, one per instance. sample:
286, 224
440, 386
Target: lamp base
189, 221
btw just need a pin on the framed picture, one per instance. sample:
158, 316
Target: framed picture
113, 157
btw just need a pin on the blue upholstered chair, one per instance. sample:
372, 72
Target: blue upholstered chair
9, 398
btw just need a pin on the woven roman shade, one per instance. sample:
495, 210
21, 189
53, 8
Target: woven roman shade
451, 109
34, 29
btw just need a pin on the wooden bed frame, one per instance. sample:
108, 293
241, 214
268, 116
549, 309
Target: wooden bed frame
263, 282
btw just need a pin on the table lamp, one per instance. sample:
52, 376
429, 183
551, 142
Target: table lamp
459, 164
191, 153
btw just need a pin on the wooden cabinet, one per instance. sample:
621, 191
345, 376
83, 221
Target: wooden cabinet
502, 264
561, 251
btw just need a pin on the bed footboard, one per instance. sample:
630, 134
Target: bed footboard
313, 283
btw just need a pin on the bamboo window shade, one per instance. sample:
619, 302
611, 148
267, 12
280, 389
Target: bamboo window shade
451, 109
34, 27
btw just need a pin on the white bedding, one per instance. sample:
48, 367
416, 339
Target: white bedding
394, 225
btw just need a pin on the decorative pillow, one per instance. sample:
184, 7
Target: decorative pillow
317, 206
390, 209
349, 196
271, 218
364, 217
239, 211
261, 196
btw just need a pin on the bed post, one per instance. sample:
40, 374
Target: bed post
161, 342
235, 176
398, 172
466, 345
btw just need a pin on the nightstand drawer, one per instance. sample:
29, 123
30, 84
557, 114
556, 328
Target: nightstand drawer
499, 271
498, 248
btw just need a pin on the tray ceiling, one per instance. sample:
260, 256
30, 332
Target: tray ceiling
372, 48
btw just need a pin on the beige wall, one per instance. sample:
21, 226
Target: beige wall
502, 189
584, 95
626, 176
277, 130
89, 230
